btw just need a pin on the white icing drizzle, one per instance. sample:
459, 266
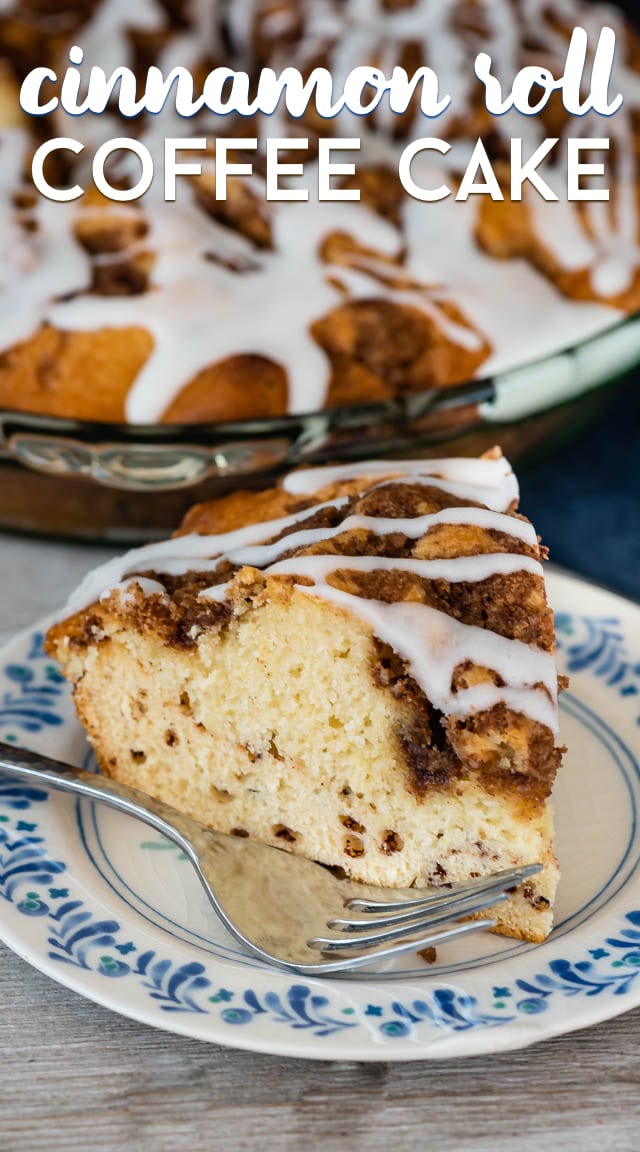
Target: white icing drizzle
200, 311
126, 589
366, 33
454, 569
318, 567
178, 555
264, 554
432, 643
486, 481
105, 41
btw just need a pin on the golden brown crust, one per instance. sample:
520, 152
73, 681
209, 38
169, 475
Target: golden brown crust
81, 375
394, 348
242, 387
238, 509
11, 115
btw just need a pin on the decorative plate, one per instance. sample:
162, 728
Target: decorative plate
88, 897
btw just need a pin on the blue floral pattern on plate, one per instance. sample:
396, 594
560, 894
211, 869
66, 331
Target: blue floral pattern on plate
599, 645
94, 946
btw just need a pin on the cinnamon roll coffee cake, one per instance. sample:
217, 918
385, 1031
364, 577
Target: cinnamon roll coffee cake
357, 666
204, 309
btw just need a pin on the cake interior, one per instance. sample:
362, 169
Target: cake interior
323, 771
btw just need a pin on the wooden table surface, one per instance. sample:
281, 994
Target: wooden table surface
75, 1076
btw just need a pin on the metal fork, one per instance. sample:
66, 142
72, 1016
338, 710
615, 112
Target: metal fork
283, 908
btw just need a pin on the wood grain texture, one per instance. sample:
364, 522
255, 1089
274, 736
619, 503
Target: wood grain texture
76, 1077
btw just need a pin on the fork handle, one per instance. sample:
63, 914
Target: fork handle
65, 777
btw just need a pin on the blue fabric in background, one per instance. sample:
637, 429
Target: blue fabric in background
585, 500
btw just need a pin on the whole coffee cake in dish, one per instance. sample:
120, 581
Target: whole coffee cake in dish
357, 666
205, 310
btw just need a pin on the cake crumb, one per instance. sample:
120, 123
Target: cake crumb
429, 955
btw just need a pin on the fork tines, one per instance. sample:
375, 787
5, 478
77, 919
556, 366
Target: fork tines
424, 919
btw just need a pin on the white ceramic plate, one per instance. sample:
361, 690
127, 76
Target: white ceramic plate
90, 898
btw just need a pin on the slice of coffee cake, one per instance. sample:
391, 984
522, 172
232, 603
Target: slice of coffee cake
357, 666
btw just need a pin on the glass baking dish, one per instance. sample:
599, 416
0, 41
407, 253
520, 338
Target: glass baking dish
129, 483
